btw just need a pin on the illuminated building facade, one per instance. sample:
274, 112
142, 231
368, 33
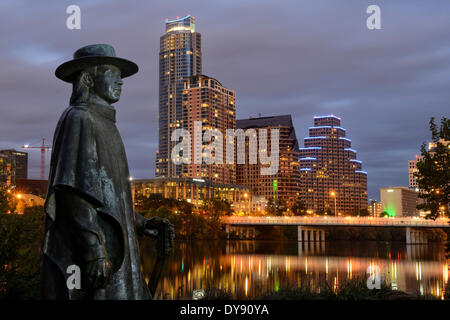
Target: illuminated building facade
13, 166
285, 184
332, 178
412, 169
259, 205
214, 106
195, 191
399, 201
179, 58
375, 208
3, 169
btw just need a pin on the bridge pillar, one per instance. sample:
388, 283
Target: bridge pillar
415, 236
299, 233
408, 236
305, 234
227, 230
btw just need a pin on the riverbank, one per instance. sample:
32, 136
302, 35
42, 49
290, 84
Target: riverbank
355, 289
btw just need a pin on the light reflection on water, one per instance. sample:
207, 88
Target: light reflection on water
250, 268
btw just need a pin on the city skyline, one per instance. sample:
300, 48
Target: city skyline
385, 84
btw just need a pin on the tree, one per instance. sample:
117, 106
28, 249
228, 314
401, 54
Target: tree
154, 201
20, 253
275, 206
5, 200
434, 171
217, 207
364, 212
299, 208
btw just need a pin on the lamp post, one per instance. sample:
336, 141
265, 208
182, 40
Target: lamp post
333, 194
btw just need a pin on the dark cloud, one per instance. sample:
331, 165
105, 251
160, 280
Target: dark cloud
303, 58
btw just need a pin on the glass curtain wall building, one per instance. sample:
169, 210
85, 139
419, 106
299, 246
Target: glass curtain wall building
179, 58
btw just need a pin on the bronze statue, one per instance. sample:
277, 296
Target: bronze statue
90, 218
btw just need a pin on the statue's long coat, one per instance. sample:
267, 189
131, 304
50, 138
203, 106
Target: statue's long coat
89, 158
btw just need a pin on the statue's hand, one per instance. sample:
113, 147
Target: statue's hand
98, 272
165, 233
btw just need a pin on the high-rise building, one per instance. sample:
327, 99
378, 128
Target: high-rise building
399, 201
206, 101
332, 180
14, 165
412, 168
285, 184
179, 58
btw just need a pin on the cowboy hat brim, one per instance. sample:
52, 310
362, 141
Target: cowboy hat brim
68, 70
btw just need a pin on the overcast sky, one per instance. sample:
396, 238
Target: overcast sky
297, 57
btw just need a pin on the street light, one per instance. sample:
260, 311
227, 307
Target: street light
333, 194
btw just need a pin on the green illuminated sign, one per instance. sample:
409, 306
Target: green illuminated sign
275, 185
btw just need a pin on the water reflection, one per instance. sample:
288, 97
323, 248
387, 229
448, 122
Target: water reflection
250, 268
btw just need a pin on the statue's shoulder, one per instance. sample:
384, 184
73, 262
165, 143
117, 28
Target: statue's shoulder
77, 114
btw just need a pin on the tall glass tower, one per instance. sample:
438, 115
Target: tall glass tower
180, 57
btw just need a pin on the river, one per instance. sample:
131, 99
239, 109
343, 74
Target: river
247, 269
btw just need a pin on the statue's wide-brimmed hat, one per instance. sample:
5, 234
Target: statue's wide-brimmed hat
93, 55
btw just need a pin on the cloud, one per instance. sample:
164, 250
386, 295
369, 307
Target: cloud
303, 58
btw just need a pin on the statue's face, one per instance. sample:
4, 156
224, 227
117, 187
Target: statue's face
108, 84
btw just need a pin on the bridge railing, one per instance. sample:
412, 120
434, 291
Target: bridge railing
344, 221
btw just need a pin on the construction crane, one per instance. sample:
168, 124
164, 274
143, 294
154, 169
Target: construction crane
43, 148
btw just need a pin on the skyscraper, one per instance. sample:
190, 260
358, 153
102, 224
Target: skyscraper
214, 106
13, 166
179, 58
285, 184
332, 179
412, 170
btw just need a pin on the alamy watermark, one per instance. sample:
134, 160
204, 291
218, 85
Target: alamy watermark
374, 279
74, 279
74, 19
212, 153
373, 22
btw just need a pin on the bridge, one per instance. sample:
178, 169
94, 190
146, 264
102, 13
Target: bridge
311, 228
